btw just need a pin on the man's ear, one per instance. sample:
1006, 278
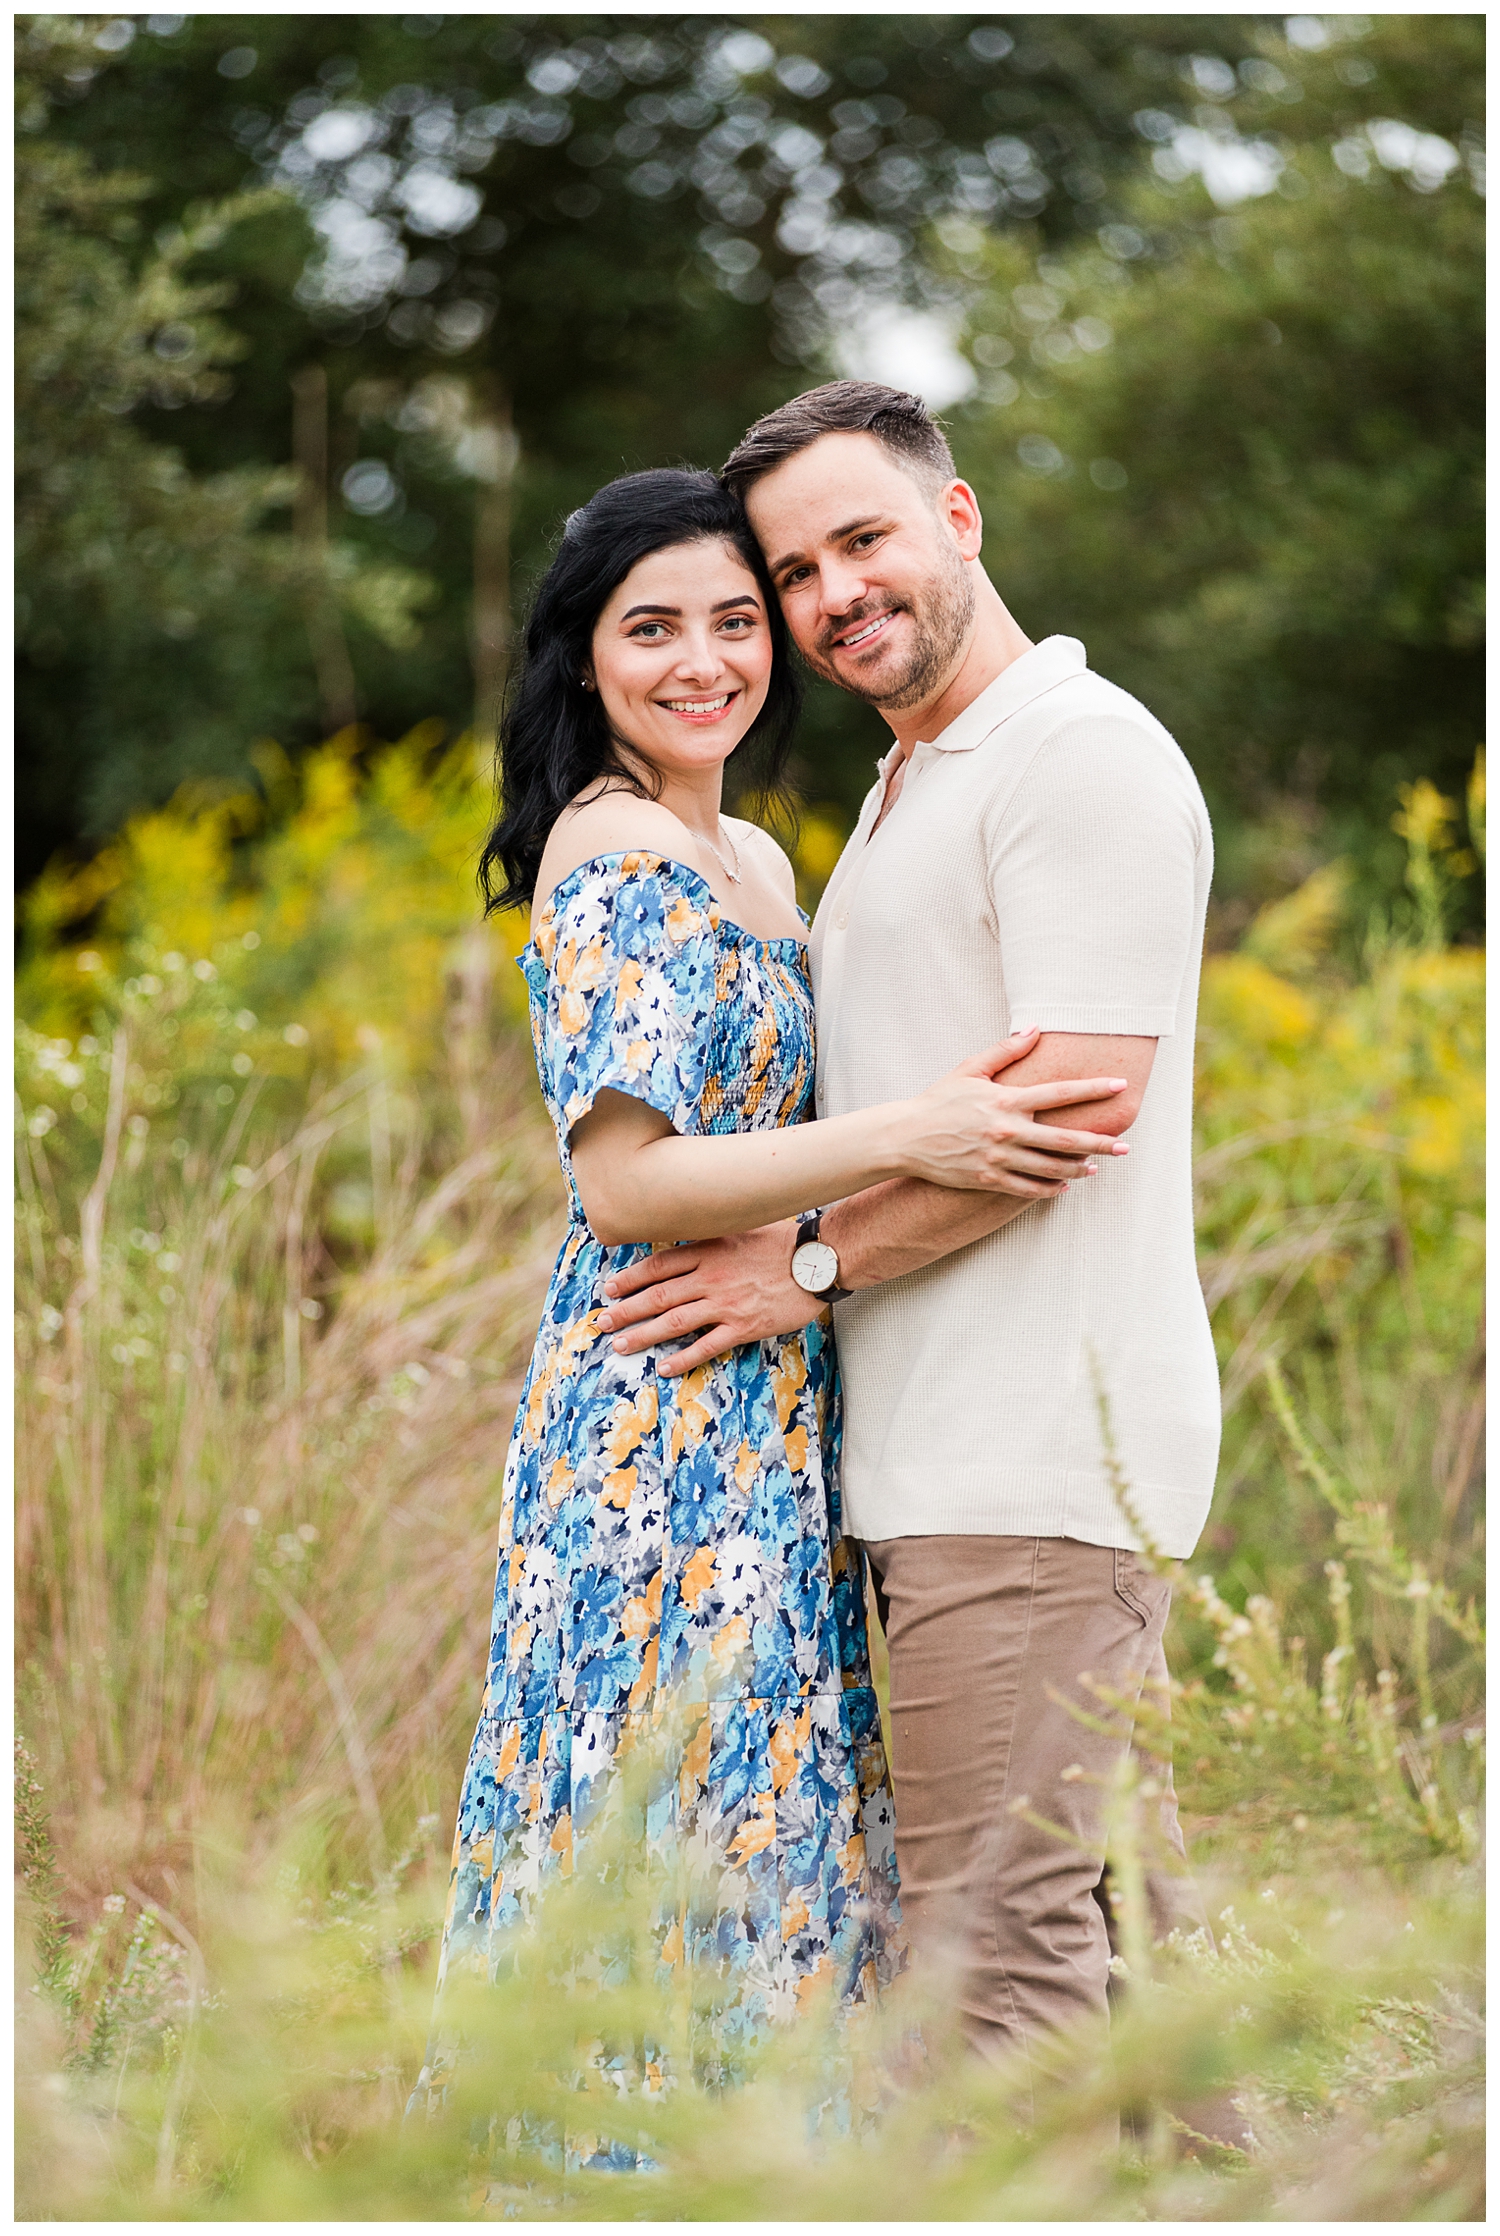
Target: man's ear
959, 508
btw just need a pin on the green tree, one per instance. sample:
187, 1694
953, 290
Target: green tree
619, 237
1237, 449
160, 617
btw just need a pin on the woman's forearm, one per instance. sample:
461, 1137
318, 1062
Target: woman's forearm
684, 1188
641, 1182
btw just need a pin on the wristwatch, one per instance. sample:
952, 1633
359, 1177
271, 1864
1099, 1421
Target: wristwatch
815, 1263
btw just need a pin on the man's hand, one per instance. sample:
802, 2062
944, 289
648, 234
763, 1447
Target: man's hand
736, 1290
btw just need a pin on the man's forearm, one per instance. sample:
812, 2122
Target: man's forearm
904, 1224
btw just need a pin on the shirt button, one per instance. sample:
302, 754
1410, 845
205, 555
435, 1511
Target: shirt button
841, 921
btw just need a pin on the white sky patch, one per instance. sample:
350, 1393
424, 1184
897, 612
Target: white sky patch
363, 258
1426, 159
906, 349
1233, 170
340, 133
436, 202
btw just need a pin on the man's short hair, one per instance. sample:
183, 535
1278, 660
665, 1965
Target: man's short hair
895, 418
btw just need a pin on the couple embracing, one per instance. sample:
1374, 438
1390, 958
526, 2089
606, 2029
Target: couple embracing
957, 1113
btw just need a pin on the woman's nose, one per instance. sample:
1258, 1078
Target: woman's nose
699, 659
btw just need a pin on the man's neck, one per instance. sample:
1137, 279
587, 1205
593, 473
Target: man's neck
995, 642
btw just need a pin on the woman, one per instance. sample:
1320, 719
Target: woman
677, 1542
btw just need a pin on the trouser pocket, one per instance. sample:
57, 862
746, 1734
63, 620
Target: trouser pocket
1143, 1589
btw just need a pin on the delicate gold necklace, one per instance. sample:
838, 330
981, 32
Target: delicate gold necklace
733, 875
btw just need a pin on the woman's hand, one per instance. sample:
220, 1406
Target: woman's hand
967, 1131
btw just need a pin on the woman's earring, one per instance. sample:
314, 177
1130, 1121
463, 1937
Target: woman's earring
583, 679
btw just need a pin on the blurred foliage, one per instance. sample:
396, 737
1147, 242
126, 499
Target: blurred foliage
327, 912
255, 2068
1340, 1190
1267, 421
627, 236
156, 606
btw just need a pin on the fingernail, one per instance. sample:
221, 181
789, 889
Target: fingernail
1120, 1149
1119, 1083
1090, 1170
611, 1288
618, 1344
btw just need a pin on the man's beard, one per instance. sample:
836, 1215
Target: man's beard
940, 621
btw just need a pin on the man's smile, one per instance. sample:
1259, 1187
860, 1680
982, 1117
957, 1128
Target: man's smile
864, 632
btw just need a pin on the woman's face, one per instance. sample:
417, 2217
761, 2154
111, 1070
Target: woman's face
682, 656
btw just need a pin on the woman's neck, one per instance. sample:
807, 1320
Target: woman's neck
696, 800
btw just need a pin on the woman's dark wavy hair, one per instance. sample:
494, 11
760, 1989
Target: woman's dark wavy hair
554, 738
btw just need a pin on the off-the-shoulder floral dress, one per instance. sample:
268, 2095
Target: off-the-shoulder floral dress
675, 1543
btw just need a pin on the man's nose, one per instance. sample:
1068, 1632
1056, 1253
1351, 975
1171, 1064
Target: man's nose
841, 586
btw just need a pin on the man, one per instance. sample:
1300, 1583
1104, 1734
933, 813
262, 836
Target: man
1034, 854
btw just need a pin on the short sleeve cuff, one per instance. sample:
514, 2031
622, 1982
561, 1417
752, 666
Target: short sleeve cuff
1092, 1017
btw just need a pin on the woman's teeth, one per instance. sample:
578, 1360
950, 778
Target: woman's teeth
698, 706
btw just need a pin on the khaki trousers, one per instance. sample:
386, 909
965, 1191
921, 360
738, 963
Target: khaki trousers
981, 1632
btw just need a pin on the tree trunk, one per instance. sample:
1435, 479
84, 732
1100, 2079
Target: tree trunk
490, 450
325, 631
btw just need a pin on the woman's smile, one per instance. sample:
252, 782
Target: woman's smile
701, 710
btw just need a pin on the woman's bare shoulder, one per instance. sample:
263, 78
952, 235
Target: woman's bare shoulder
614, 822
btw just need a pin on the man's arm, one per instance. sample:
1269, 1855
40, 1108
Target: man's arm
740, 1289
905, 1224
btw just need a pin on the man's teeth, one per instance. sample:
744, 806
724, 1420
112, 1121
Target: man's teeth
869, 630
699, 706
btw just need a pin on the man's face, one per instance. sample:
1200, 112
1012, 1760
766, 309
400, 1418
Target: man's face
871, 567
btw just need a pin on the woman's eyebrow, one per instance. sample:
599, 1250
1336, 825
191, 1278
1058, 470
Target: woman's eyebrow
745, 598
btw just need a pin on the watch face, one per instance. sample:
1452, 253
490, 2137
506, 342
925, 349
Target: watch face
815, 1267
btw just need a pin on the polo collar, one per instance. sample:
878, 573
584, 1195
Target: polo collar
1041, 669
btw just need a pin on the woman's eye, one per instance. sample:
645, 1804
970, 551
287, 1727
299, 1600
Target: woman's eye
648, 629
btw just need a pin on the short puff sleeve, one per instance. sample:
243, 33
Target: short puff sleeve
623, 970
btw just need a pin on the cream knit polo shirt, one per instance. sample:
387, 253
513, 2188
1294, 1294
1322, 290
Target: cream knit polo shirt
1046, 863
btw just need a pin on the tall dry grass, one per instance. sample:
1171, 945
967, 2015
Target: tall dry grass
277, 1284
258, 1488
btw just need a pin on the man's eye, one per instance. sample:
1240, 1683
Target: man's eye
797, 575
871, 535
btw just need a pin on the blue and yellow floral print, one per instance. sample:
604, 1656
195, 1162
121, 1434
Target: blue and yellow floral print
671, 1548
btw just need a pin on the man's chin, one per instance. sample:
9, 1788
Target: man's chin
881, 681
874, 678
